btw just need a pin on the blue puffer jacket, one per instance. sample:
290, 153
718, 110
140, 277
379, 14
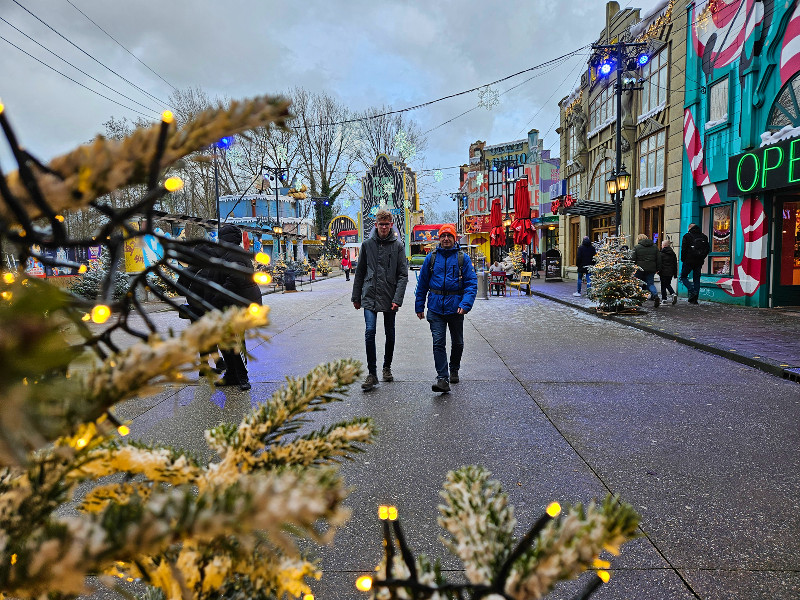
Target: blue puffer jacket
445, 296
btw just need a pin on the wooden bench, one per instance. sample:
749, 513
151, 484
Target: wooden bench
524, 280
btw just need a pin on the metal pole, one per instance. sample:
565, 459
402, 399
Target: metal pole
618, 166
216, 187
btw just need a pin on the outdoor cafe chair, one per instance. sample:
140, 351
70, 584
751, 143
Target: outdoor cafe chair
497, 283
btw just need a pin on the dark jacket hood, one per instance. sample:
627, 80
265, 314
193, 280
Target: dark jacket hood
230, 234
696, 229
586, 243
646, 242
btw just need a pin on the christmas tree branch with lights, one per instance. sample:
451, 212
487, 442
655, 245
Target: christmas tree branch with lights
615, 286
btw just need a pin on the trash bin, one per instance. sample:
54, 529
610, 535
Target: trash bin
288, 280
483, 288
313, 274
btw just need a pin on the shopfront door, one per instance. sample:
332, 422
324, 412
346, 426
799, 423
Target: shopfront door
786, 265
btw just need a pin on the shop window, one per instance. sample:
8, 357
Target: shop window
601, 228
790, 244
574, 239
719, 235
718, 103
654, 90
652, 220
652, 153
598, 193
602, 108
551, 238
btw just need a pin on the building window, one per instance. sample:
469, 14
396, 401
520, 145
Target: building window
598, 193
655, 87
651, 161
602, 109
719, 227
573, 142
718, 103
601, 227
574, 186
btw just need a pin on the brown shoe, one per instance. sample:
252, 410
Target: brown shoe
387, 374
370, 382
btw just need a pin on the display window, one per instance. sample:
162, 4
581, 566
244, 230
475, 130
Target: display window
719, 227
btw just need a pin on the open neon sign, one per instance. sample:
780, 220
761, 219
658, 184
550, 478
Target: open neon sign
768, 168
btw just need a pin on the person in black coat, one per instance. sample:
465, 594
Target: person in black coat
694, 250
586, 252
669, 269
241, 285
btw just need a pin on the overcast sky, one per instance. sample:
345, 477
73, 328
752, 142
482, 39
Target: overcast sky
365, 52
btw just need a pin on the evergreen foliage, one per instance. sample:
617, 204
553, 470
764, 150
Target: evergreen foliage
89, 284
615, 286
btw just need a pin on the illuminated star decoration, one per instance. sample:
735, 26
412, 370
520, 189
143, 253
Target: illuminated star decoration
404, 146
438, 175
479, 179
281, 153
351, 179
488, 97
388, 189
347, 202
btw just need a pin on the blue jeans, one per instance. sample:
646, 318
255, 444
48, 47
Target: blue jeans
694, 288
439, 325
649, 280
371, 320
588, 281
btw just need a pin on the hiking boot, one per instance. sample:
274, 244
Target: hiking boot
442, 386
674, 299
656, 302
244, 386
454, 376
370, 382
387, 374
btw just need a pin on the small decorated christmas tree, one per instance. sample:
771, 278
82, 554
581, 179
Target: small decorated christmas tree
515, 258
89, 284
615, 286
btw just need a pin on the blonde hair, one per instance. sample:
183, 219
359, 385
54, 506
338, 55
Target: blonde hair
641, 236
383, 215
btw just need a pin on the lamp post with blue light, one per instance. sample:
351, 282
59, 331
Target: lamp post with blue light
624, 56
276, 175
223, 144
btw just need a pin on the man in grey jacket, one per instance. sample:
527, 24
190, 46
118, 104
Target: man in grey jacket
378, 286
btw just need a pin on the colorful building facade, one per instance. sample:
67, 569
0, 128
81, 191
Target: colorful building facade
741, 165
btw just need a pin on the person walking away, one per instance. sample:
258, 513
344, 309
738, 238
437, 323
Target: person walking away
585, 259
346, 267
447, 281
694, 250
646, 255
242, 285
378, 287
669, 269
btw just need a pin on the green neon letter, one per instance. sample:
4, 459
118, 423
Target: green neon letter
766, 164
793, 158
739, 173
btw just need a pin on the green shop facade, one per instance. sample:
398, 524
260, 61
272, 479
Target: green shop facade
741, 166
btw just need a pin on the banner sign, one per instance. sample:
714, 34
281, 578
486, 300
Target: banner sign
425, 233
477, 224
383, 188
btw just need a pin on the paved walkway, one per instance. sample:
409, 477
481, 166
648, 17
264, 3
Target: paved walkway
558, 404
764, 338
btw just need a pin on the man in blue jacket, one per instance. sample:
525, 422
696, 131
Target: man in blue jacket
449, 283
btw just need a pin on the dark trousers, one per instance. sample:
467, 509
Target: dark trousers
666, 286
439, 326
235, 371
694, 287
371, 321
346, 274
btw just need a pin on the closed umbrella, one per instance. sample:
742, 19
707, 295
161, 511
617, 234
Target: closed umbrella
497, 235
522, 226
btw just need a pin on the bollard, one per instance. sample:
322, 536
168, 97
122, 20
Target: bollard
483, 288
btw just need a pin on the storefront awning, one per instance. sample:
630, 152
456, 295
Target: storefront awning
588, 208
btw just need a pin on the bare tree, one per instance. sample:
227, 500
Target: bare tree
390, 134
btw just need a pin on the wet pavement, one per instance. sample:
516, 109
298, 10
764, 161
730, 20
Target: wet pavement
559, 404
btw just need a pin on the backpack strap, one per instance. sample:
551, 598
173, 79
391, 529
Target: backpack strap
460, 267
433, 260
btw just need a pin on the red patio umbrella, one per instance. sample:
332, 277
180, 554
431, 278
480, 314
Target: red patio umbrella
497, 235
522, 226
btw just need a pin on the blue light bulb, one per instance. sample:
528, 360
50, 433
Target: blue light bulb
643, 59
605, 68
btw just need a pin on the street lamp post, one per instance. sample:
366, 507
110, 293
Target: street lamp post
277, 174
222, 143
624, 62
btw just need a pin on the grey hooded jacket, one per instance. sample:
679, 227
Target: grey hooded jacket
382, 273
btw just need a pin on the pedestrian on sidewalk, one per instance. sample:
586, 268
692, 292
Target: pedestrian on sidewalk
448, 282
585, 259
646, 256
346, 267
669, 269
242, 285
378, 287
694, 250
